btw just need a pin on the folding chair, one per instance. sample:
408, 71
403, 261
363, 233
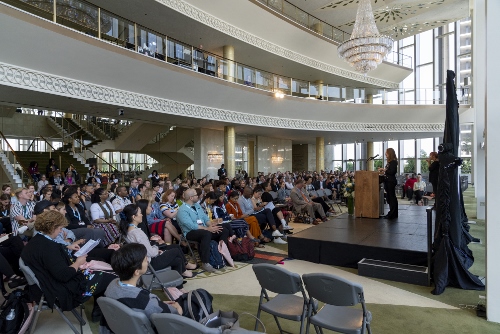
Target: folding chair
159, 279
42, 304
122, 319
325, 193
286, 304
339, 295
167, 323
189, 242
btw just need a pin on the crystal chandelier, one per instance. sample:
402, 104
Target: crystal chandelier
366, 48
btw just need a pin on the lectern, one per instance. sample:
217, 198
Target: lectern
367, 195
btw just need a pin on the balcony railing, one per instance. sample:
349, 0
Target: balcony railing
324, 29
132, 36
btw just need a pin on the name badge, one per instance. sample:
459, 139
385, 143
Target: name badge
200, 222
81, 223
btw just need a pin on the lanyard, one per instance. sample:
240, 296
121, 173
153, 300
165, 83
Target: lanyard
77, 215
25, 211
125, 284
5, 212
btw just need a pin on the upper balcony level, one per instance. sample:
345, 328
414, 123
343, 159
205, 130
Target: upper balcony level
76, 72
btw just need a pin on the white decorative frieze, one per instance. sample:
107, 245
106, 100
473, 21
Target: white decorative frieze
222, 26
14, 76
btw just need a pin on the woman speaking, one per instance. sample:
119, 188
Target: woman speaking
390, 171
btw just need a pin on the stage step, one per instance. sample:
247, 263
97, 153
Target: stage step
393, 271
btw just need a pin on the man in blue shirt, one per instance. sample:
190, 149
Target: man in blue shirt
196, 226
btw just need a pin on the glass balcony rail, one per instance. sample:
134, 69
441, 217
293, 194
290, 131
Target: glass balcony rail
132, 36
324, 29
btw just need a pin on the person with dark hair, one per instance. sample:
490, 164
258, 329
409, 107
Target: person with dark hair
154, 176
33, 170
172, 256
130, 262
103, 215
390, 183
221, 172
77, 220
433, 162
60, 277
5, 213
51, 167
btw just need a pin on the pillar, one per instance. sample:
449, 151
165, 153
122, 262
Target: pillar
251, 158
486, 13
320, 154
369, 98
229, 148
369, 153
319, 84
318, 27
228, 53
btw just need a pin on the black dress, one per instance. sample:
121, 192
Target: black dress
434, 176
390, 187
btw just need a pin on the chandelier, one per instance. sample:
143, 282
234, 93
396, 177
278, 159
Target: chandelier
366, 48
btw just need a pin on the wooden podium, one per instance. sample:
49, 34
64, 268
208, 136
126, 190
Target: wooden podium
367, 195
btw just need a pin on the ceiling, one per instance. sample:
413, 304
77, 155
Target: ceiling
396, 18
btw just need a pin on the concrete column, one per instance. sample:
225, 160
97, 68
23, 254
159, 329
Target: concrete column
320, 154
490, 11
318, 27
319, 84
251, 158
369, 98
228, 53
229, 148
369, 153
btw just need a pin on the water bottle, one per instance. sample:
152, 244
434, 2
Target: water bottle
11, 315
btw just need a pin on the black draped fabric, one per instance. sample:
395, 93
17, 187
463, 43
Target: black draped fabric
452, 258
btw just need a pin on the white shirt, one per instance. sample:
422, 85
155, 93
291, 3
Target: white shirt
97, 213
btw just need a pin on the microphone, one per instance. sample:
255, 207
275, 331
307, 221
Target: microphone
372, 158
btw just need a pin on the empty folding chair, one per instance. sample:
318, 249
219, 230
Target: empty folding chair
339, 296
121, 319
167, 323
286, 304
42, 305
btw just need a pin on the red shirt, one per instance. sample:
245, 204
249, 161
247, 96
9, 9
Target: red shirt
409, 183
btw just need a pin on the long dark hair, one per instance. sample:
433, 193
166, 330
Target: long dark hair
96, 196
128, 214
144, 226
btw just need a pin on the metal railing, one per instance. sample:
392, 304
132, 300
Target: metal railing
324, 29
130, 35
14, 160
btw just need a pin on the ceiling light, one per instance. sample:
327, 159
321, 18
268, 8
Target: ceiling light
366, 48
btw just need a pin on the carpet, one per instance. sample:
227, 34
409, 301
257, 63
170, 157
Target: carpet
266, 257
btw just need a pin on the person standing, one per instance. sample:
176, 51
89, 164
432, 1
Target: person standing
390, 183
433, 162
221, 172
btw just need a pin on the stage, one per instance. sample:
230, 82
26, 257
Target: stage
345, 240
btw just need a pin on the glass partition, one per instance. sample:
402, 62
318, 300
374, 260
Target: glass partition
43, 8
78, 15
179, 53
150, 43
117, 30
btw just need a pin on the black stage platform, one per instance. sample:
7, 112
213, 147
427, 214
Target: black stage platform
345, 240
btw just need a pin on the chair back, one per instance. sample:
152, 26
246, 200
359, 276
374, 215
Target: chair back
167, 323
320, 192
122, 319
28, 273
287, 192
327, 191
332, 289
276, 279
314, 193
273, 194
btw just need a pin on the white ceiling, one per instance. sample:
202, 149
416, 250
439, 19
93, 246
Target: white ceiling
397, 18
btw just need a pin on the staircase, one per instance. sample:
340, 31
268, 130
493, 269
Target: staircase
43, 159
14, 178
71, 128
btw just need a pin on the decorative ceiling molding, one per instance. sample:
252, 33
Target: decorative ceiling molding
222, 26
14, 76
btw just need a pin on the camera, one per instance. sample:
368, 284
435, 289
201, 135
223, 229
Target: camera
121, 112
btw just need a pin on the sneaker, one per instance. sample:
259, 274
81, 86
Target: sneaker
277, 234
287, 227
279, 241
208, 267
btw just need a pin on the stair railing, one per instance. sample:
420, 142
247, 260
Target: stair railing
16, 161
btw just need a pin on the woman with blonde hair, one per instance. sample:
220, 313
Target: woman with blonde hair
390, 183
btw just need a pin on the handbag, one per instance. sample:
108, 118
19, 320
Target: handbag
225, 253
238, 330
218, 319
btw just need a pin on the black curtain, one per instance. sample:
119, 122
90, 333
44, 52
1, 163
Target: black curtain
452, 257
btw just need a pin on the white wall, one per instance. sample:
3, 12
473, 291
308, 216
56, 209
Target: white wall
267, 152
207, 141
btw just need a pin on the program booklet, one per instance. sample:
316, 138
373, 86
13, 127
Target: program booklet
90, 245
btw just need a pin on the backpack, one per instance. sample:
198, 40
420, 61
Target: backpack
241, 249
195, 304
216, 259
15, 313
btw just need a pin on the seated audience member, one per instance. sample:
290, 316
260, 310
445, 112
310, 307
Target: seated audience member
197, 227
103, 215
78, 222
267, 198
121, 200
309, 187
302, 202
5, 214
419, 189
56, 180
130, 262
233, 208
251, 206
60, 277
408, 187
70, 179
169, 209
42, 182
172, 256
21, 213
